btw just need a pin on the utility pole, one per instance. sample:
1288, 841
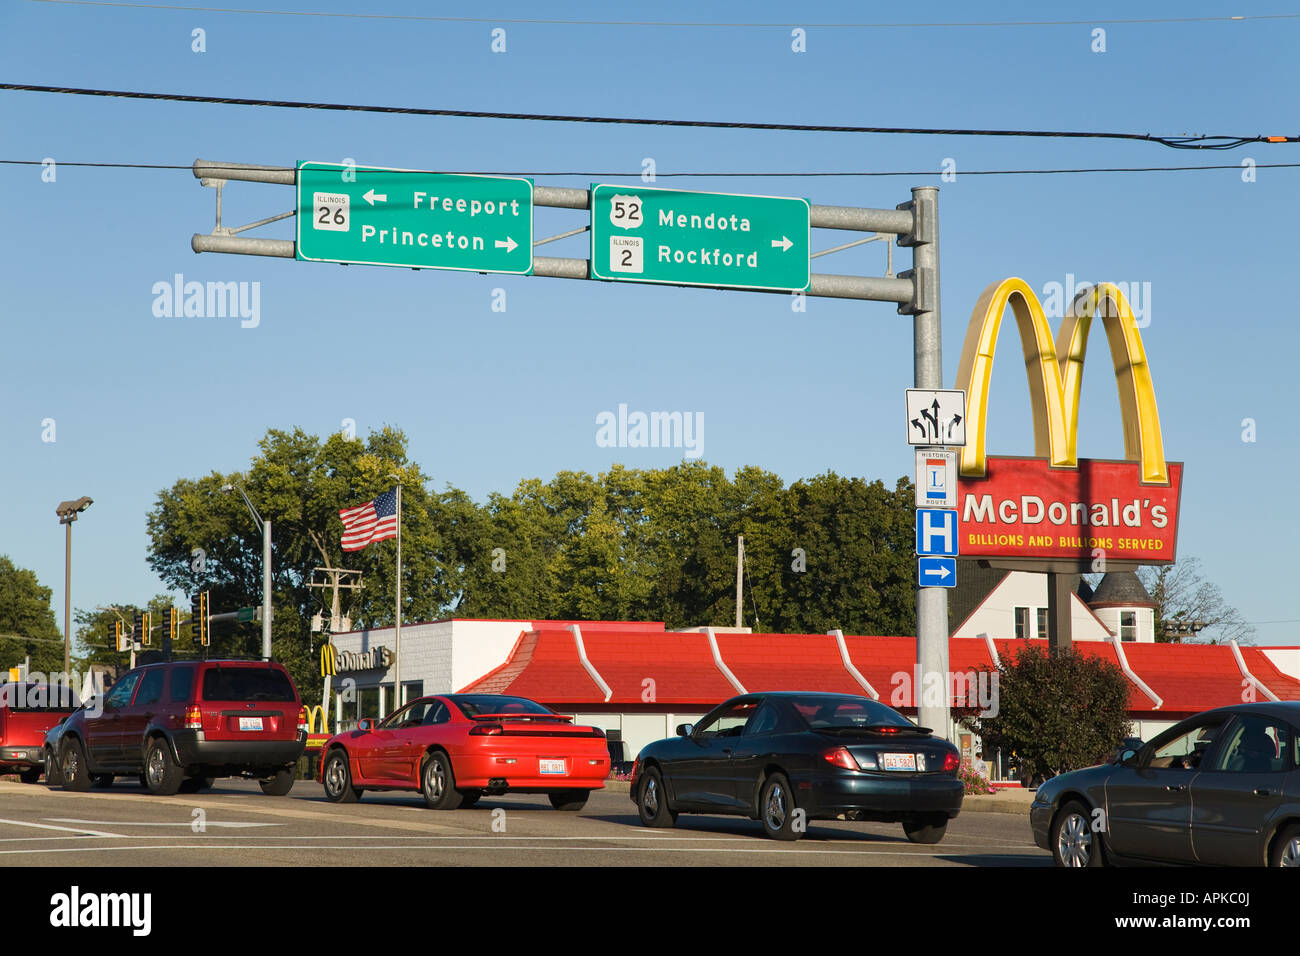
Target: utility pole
740, 571
335, 583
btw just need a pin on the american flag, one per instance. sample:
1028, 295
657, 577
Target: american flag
374, 521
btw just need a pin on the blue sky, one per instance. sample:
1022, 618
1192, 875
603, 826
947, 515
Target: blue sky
488, 398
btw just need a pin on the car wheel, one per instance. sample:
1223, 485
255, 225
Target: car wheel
30, 775
338, 779
72, 764
569, 799
927, 830
144, 784
279, 783
777, 810
652, 802
101, 780
1286, 848
1072, 840
162, 775
53, 777
469, 797
438, 783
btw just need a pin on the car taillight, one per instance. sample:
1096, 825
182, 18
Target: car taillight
951, 761
484, 730
840, 757
194, 718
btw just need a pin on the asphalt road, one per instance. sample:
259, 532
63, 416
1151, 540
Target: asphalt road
235, 824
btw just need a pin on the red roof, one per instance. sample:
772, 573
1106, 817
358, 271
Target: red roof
1195, 677
657, 668
645, 665
788, 662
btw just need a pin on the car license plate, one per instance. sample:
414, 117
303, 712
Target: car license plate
898, 761
551, 766
250, 723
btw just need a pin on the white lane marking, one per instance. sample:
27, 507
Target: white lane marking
183, 823
46, 826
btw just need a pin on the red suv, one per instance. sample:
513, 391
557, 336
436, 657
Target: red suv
179, 724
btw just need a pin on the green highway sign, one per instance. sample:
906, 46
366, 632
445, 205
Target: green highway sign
394, 217
723, 240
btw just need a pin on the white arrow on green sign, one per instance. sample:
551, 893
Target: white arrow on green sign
723, 240
395, 217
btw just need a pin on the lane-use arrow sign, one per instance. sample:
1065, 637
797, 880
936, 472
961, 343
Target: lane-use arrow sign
783, 243
507, 244
371, 196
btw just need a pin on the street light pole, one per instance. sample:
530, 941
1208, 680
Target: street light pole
67, 512
267, 610
67, 597
265, 527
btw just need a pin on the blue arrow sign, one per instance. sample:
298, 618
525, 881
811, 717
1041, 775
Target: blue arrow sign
937, 572
936, 531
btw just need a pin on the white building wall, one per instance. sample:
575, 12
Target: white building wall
638, 729
997, 617
478, 647
1146, 621
1285, 659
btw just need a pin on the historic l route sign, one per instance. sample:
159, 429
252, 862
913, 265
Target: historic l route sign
721, 240
394, 217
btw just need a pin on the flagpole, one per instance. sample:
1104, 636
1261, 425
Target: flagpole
397, 635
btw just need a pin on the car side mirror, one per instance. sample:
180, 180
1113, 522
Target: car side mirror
1128, 758
366, 723
685, 730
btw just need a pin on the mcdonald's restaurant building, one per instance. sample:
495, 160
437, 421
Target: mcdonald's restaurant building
637, 680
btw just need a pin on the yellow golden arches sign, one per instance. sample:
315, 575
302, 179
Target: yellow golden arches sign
1055, 369
329, 662
316, 715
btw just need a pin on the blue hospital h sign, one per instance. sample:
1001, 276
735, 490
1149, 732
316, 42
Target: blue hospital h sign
936, 531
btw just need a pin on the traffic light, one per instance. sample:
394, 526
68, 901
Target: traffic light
169, 632
148, 626
137, 625
205, 611
119, 637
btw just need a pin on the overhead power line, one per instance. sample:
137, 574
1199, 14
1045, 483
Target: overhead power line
804, 174
1175, 142
576, 22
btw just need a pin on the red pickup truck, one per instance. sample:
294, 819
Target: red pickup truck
27, 711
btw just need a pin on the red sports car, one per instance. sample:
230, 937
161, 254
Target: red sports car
454, 748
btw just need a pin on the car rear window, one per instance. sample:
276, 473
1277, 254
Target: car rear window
247, 683
846, 712
38, 698
475, 704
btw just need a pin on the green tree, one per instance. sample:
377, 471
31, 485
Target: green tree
27, 624
204, 539
1055, 712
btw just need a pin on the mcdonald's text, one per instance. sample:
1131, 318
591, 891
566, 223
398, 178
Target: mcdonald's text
1026, 508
